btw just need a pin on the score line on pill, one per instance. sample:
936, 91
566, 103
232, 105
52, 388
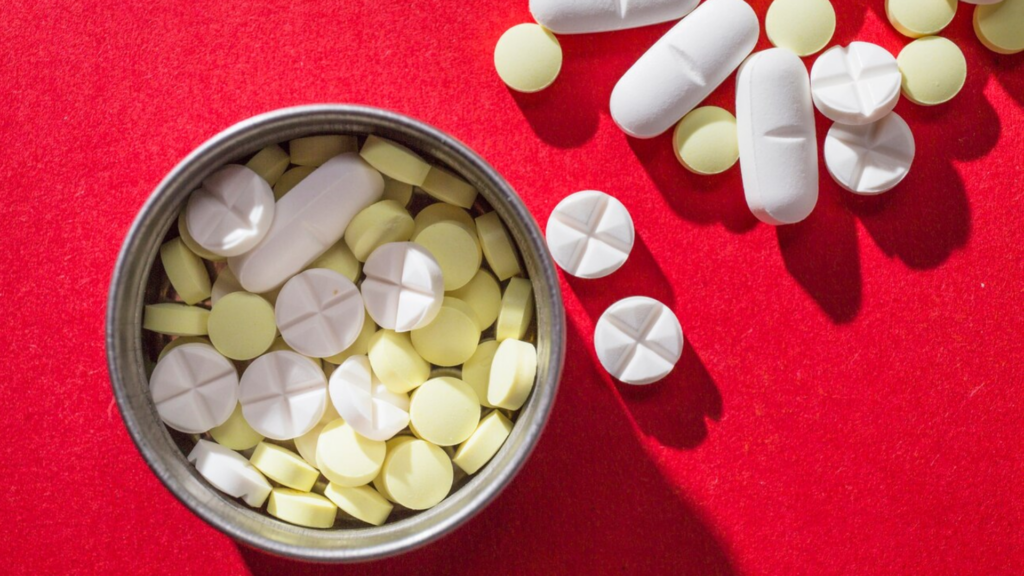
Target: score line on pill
638, 340
319, 312
855, 84
872, 158
283, 395
590, 234
232, 212
403, 288
194, 388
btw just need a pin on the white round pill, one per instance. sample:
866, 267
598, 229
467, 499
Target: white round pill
638, 340
590, 234
232, 212
365, 403
319, 313
283, 395
194, 388
230, 472
870, 159
404, 288
855, 84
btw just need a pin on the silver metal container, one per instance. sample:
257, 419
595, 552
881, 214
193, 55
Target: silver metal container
133, 281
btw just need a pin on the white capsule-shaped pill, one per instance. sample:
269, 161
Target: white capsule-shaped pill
590, 234
638, 340
308, 220
230, 472
585, 16
283, 395
855, 84
872, 158
684, 67
194, 388
232, 211
365, 402
404, 287
775, 131
319, 313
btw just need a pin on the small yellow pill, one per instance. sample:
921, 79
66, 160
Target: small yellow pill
441, 212
360, 502
346, 457
512, 374
301, 508
497, 246
398, 191
379, 482
483, 294
934, 70
176, 319
705, 141
451, 338
191, 242
394, 160
448, 187
917, 18
179, 341
284, 466
340, 259
456, 249
236, 433
360, 347
484, 443
396, 362
417, 474
306, 444
477, 370
315, 150
270, 163
800, 26
186, 272
242, 326
516, 310
444, 411
1000, 27
377, 224
528, 58
290, 179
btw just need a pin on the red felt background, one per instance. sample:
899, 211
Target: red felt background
850, 397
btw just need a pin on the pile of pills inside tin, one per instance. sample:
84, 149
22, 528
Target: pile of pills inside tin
365, 342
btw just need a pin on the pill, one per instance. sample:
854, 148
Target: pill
417, 474
242, 325
378, 224
194, 388
290, 179
455, 248
528, 58
301, 508
917, 18
638, 340
379, 481
181, 341
485, 442
316, 150
396, 362
704, 141
590, 234
270, 163
185, 271
483, 294
451, 338
404, 287
934, 70
477, 370
444, 411
346, 457
365, 403
999, 26
232, 211
513, 371
775, 130
284, 466
400, 192
360, 502
340, 259
280, 344
516, 310
235, 433
801, 26
497, 246
394, 160
571, 17
308, 221
855, 84
176, 319
225, 284
440, 212
229, 472
283, 395
361, 344
190, 242
319, 312
306, 444
449, 188
872, 158
684, 67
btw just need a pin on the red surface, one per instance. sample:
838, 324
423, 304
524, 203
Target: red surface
850, 398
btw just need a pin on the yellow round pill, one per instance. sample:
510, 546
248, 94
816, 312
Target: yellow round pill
448, 187
186, 272
512, 374
417, 474
301, 508
346, 457
242, 326
1000, 27
176, 319
456, 249
451, 338
290, 179
396, 362
484, 443
340, 259
440, 212
194, 246
483, 294
801, 26
477, 370
400, 192
236, 433
360, 347
360, 502
934, 70
528, 58
444, 411
179, 341
284, 466
315, 150
270, 163
705, 140
516, 310
306, 444
394, 160
497, 246
377, 224
917, 18
380, 482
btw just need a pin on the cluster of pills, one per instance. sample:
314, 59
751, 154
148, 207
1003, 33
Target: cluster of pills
869, 148
365, 342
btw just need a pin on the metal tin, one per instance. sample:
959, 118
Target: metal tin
132, 282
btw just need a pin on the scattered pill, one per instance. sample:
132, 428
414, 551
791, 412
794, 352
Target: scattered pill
283, 395
394, 160
705, 141
316, 150
284, 466
485, 442
477, 370
1000, 27
229, 472
456, 249
301, 508
872, 158
684, 67
242, 326
270, 163
638, 340
194, 388
361, 344
934, 70
176, 319
365, 402
376, 225
497, 246
451, 338
416, 474
775, 130
319, 312
190, 242
346, 457
590, 234
802, 26
441, 212
185, 271
360, 502
444, 411
232, 212
855, 84
449, 188
404, 287
235, 433
516, 312
483, 294
400, 192
513, 371
396, 362
290, 179
225, 284
571, 17
528, 58
181, 341
917, 18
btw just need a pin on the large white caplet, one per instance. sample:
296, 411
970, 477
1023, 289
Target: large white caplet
581, 17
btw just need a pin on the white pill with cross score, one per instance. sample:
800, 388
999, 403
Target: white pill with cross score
283, 395
590, 234
194, 388
870, 159
638, 340
855, 84
232, 211
319, 313
230, 472
404, 288
365, 403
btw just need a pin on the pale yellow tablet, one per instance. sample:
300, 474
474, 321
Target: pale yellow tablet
440, 212
513, 371
394, 160
191, 242
315, 150
306, 444
340, 259
917, 18
396, 362
800, 26
176, 319
417, 474
379, 482
497, 246
483, 294
477, 370
284, 466
1000, 27
451, 338
516, 310
444, 411
290, 179
269, 163
456, 249
705, 140
398, 191
447, 187
242, 326
346, 457
179, 341
360, 347
360, 502
186, 272
236, 433
528, 58
377, 224
484, 443
934, 70
301, 508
